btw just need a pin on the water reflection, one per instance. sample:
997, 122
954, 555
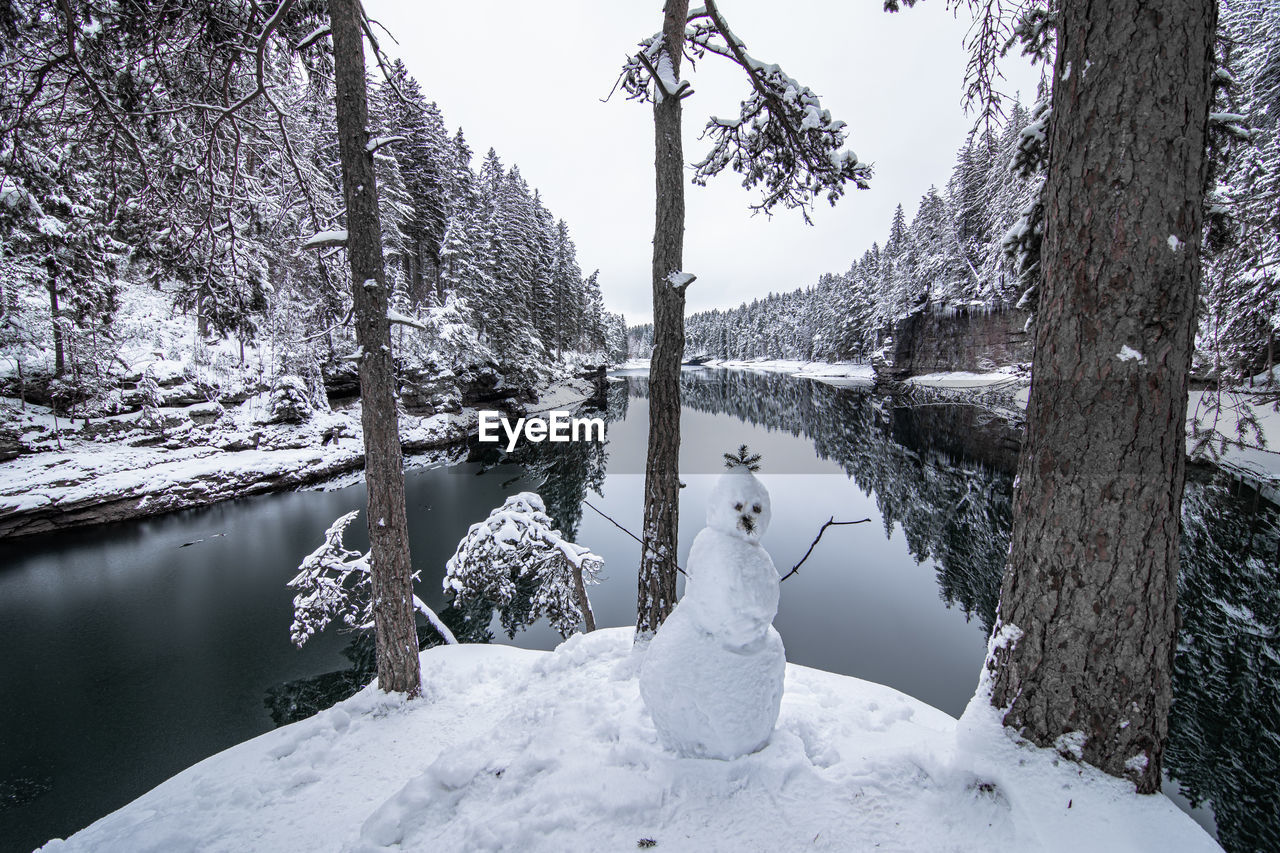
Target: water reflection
945, 474
1224, 728
156, 656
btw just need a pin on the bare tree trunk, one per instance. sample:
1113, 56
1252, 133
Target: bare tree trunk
394, 622
656, 594
1087, 612
59, 358
584, 602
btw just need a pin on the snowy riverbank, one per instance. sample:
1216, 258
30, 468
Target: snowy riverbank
116, 470
1008, 389
515, 749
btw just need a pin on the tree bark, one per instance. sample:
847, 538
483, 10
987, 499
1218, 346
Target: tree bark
584, 601
1087, 623
656, 593
395, 628
59, 358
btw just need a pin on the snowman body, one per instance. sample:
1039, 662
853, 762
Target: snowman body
712, 676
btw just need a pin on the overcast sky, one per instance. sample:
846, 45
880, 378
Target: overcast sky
527, 78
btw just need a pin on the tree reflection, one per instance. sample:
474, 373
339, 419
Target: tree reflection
944, 473
1224, 728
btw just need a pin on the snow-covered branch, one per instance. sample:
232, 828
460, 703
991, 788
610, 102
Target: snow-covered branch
379, 141
325, 240
516, 561
782, 139
396, 317
334, 584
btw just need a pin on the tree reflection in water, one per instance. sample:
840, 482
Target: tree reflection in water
944, 474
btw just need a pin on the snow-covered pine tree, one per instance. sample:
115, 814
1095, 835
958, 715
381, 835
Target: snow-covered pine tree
517, 562
335, 583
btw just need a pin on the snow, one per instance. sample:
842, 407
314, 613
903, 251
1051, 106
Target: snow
396, 317
324, 239
1174, 243
1259, 463
712, 677
836, 372
680, 279
1128, 353
968, 379
524, 750
565, 394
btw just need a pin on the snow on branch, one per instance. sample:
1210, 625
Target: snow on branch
325, 239
514, 560
313, 37
681, 280
334, 584
396, 317
782, 139
379, 141
651, 64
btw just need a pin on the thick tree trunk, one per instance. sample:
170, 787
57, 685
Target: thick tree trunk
1087, 612
394, 622
656, 594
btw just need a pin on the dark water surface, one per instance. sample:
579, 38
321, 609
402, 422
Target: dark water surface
127, 657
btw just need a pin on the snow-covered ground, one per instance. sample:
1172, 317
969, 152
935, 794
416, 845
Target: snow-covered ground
1260, 462
209, 454
838, 372
526, 750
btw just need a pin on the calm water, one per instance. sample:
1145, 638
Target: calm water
128, 656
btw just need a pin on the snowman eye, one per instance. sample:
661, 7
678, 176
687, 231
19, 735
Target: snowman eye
755, 508
738, 507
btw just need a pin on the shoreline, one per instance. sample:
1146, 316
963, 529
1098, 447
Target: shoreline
1006, 392
88, 482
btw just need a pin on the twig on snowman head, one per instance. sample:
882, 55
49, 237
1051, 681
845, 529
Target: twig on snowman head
831, 522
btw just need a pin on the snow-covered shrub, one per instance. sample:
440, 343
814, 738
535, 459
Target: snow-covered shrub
334, 583
290, 401
519, 563
151, 398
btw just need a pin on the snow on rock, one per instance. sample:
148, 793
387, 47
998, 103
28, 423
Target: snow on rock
92, 482
524, 750
712, 677
834, 372
566, 394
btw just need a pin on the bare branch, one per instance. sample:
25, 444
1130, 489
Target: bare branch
831, 522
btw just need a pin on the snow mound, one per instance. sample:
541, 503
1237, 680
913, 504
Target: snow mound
522, 750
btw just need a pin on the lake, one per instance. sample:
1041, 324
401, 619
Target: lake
134, 650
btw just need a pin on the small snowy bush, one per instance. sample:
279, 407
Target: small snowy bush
516, 561
290, 401
334, 583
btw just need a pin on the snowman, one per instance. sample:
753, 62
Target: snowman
712, 677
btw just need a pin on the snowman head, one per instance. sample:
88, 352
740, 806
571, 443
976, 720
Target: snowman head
739, 505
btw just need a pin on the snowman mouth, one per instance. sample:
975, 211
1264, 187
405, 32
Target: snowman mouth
747, 523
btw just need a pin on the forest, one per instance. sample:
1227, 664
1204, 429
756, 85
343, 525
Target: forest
176, 173
975, 244
249, 271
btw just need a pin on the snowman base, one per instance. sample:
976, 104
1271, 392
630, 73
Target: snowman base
707, 699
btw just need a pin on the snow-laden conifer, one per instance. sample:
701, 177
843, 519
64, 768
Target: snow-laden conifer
517, 561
